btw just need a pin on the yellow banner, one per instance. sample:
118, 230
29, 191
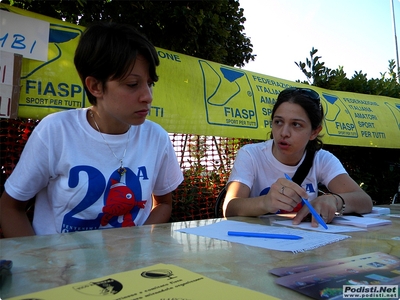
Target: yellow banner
197, 96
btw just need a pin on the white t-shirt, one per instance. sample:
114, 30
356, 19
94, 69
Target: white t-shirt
256, 167
73, 173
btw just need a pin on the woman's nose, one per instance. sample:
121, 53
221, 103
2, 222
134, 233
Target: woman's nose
147, 94
285, 131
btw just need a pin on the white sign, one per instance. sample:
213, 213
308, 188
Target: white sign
23, 35
6, 67
6, 91
10, 72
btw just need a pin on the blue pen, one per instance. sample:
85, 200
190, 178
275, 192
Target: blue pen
265, 235
311, 208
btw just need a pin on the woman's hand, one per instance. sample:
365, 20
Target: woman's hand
326, 206
346, 197
284, 195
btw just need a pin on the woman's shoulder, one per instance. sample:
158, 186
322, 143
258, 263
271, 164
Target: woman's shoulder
261, 146
61, 118
152, 126
324, 156
65, 114
152, 130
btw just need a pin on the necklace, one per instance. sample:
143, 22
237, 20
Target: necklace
121, 170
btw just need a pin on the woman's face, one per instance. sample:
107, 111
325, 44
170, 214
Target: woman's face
291, 129
126, 101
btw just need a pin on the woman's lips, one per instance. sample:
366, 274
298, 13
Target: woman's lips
283, 145
143, 112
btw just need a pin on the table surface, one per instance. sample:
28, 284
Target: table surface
43, 262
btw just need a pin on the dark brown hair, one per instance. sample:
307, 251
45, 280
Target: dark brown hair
107, 51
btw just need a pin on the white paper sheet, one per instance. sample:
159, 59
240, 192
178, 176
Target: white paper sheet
310, 240
331, 228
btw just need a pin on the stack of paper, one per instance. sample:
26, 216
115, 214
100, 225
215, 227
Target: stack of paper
378, 211
364, 222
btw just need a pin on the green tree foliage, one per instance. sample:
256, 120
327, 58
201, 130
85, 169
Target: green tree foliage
377, 170
208, 29
319, 75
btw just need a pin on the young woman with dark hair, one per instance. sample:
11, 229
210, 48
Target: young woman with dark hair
257, 184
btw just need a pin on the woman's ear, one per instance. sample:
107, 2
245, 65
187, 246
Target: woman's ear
94, 86
315, 133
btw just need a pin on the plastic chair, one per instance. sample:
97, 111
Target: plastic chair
218, 203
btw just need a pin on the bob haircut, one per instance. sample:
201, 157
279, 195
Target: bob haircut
108, 51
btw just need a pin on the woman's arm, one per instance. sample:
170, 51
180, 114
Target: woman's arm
342, 187
162, 208
13, 219
355, 198
238, 203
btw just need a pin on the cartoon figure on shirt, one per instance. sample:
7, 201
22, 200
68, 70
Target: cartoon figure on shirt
120, 202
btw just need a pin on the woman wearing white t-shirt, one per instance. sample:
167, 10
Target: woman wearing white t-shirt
100, 167
257, 184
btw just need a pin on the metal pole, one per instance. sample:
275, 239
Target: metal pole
395, 41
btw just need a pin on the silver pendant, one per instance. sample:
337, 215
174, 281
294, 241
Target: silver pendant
121, 171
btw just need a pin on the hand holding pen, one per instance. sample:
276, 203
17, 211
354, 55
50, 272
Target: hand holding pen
283, 196
324, 205
314, 213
